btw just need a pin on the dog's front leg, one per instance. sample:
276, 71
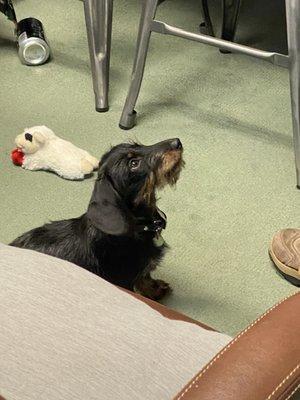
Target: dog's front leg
154, 289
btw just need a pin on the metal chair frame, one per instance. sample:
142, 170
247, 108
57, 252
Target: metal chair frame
99, 23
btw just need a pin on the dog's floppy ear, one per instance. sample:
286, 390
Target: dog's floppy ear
105, 210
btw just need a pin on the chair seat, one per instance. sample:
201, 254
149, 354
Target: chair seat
68, 334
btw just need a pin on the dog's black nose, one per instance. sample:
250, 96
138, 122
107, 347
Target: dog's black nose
176, 144
28, 136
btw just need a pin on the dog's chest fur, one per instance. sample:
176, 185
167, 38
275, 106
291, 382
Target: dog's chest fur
124, 259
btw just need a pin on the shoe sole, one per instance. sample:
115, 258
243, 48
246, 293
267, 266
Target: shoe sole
290, 274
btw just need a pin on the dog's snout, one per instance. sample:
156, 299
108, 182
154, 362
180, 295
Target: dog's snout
28, 136
176, 144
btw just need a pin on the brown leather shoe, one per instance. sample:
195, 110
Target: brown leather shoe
285, 253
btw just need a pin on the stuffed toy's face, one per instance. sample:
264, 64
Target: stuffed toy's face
30, 141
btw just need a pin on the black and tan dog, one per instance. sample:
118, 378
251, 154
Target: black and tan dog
118, 238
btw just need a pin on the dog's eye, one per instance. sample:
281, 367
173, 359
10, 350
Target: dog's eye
134, 163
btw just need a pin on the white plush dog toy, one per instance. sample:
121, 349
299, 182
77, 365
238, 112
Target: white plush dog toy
39, 148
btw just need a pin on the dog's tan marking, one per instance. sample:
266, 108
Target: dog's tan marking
147, 193
169, 170
154, 289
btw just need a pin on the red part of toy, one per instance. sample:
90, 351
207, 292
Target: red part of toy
17, 156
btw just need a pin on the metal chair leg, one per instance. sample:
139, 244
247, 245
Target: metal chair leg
293, 30
128, 117
231, 10
98, 18
207, 24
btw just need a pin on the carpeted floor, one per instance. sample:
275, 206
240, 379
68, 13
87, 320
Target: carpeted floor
232, 114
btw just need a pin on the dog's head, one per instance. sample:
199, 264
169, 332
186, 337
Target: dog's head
129, 176
32, 139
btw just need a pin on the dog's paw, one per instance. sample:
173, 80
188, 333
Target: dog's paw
157, 289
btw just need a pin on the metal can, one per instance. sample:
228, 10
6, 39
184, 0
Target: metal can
33, 47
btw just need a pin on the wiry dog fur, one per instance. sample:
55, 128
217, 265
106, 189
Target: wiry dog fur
113, 239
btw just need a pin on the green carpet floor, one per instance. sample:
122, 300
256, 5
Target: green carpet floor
232, 114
